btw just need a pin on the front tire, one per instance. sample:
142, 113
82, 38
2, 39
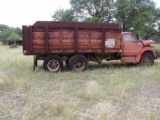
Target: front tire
78, 63
53, 63
147, 59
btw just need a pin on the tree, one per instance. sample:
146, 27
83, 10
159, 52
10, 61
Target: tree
18, 31
64, 15
9, 33
14, 37
4, 33
86, 10
96, 10
142, 15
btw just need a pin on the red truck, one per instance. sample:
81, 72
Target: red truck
76, 43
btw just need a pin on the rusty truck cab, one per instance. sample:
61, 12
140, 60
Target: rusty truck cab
136, 51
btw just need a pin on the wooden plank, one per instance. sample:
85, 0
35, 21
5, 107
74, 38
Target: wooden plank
54, 42
38, 35
84, 50
54, 35
96, 47
55, 47
42, 47
116, 36
68, 42
96, 35
37, 50
68, 34
38, 30
96, 42
76, 39
118, 39
30, 39
46, 40
83, 47
83, 34
38, 42
83, 42
103, 40
68, 51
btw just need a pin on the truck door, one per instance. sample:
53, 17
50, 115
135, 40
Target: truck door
131, 46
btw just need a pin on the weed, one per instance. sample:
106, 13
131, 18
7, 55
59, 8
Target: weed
108, 91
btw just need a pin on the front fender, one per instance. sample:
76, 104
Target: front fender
146, 50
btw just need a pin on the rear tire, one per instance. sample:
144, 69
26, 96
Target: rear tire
78, 63
53, 63
147, 59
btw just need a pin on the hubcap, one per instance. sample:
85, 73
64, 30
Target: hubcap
53, 65
147, 61
79, 65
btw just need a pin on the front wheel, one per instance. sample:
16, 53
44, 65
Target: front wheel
147, 59
53, 63
78, 63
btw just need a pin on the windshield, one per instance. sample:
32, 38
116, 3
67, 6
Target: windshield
128, 38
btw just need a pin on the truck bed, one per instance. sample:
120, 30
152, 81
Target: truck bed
49, 37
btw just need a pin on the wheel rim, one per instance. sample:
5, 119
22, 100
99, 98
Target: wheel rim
147, 61
53, 65
79, 65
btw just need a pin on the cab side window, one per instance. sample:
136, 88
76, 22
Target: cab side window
128, 38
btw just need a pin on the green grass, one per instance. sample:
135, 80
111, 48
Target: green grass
110, 91
157, 46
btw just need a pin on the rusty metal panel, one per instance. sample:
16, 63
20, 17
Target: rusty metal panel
46, 39
58, 37
30, 40
25, 40
79, 25
38, 35
89, 39
61, 39
112, 40
75, 39
103, 40
38, 40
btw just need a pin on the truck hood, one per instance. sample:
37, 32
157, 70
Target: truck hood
148, 42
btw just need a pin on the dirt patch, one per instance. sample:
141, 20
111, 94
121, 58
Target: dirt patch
149, 99
99, 111
1, 81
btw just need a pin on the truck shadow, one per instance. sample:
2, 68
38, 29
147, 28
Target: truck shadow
95, 66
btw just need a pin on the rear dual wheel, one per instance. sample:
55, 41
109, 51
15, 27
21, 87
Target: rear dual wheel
78, 63
53, 63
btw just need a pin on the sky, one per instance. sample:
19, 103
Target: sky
16, 13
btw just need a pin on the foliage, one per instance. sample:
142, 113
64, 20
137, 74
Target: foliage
142, 15
13, 36
64, 15
9, 33
109, 91
93, 10
86, 10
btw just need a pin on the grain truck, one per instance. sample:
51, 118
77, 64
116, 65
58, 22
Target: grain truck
77, 43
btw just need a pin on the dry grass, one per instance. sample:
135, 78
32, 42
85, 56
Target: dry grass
104, 92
